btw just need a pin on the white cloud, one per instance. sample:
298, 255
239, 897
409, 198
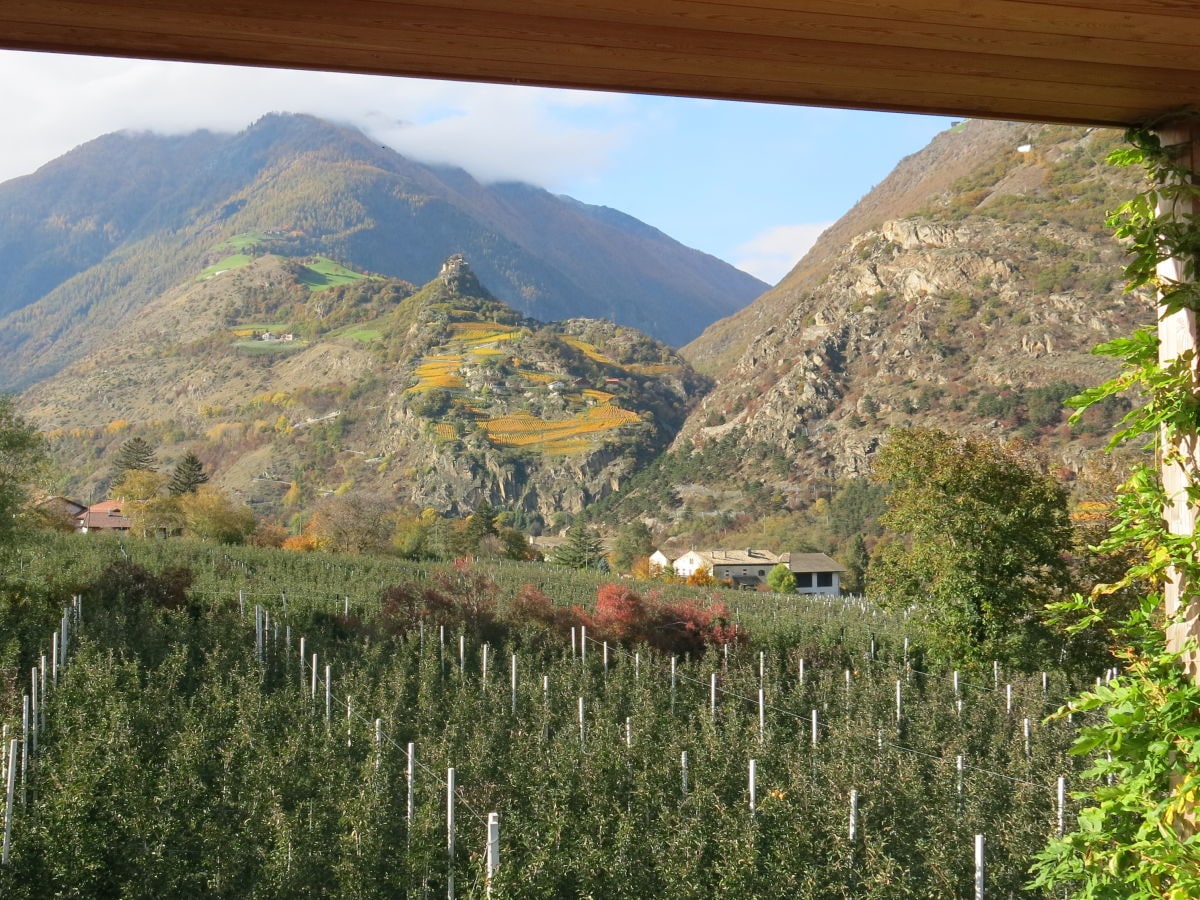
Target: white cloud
494, 131
771, 254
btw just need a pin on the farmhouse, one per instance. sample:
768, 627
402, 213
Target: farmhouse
744, 568
815, 573
659, 562
103, 516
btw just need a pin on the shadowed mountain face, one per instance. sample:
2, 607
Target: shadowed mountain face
89, 239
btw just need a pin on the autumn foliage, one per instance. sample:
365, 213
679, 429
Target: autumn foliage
462, 597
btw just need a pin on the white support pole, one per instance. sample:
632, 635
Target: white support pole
450, 833
683, 772
1028, 728
762, 715
313, 691
996, 673
899, 704
573, 651
328, 694
980, 873
493, 849
462, 656
955, 684
303, 659
712, 695
853, 816
753, 787
484, 665
637, 666
241, 604
378, 743
9, 797
513, 679
606, 657
1045, 684
672, 684
814, 728
762, 667
958, 766
1062, 806
1008, 699
34, 710
801, 671
54, 660
628, 733
24, 747
583, 643
411, 781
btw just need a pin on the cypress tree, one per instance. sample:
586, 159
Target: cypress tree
189, 474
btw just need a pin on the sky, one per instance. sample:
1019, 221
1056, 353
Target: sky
753, 184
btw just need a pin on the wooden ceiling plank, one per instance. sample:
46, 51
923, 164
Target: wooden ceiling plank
611, 57
997, 37
612, 68
676, 50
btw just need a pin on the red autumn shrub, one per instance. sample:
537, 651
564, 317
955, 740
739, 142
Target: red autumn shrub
621, 614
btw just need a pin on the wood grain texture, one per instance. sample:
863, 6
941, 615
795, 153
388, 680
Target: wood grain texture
1106, 62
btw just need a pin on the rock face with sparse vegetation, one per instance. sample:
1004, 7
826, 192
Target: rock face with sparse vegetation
964, 292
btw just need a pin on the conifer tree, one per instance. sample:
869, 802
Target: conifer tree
135, 455
584, 549
189, 474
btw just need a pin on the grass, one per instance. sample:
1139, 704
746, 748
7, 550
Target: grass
269, 348
235, 261
323, 273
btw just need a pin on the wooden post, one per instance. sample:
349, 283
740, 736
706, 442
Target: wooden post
1177, 335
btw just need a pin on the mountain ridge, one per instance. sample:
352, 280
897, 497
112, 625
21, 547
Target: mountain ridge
113, 223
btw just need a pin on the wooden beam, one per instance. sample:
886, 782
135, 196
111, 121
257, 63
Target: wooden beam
1109, 62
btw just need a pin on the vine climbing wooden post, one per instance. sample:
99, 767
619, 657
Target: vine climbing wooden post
1177, 334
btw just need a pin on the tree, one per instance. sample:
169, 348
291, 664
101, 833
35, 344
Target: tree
857, 561
781, 580
352, 523
152, 512
189, 474
977, 535
135, 455
210, 515
633, 542
584, 548
22, 455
